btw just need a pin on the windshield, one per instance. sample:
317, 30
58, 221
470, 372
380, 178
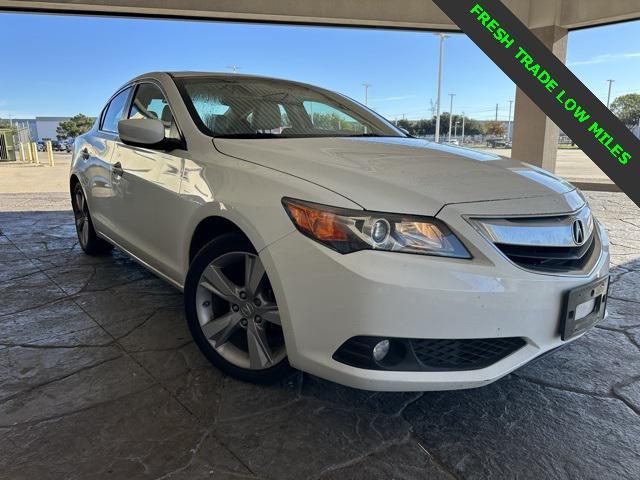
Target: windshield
264, 108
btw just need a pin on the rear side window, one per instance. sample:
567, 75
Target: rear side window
115, 111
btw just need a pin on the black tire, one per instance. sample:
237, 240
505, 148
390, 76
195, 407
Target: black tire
221, 245
89, 241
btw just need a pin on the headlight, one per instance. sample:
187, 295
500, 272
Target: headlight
348, 231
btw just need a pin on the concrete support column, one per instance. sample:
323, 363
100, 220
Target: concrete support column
535, 137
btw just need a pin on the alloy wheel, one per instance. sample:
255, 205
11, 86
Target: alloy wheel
238, 313
81, 213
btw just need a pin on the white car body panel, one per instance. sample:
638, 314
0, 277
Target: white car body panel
325, 297
405, 175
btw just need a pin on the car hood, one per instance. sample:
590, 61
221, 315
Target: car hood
402, 175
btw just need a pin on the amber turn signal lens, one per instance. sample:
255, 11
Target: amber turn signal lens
317, 223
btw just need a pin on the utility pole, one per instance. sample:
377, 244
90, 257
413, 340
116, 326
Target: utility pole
462, 142
509, 127
234, 68
442, 36
366, 93
496, 112
609, 94
451, 114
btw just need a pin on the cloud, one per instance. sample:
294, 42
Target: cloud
393, 99
607, 58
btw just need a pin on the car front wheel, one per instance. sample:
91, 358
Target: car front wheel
232, 311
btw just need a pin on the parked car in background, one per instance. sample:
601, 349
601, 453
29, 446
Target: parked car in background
498, 143
41, 146
306, 230
59, 146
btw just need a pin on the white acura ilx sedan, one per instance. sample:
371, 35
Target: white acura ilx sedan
307, 231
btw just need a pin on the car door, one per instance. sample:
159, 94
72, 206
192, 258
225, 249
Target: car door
94, 160
147, 186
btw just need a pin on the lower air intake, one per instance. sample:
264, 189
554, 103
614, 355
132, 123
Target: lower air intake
465, 354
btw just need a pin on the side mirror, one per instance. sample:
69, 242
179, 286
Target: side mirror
147, 133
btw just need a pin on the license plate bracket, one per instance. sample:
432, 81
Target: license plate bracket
570, 326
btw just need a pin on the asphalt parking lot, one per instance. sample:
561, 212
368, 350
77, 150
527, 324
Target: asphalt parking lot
99, 379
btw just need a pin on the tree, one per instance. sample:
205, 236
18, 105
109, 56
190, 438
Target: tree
627, 108
75, 126
472, 127
495, 128
407, 125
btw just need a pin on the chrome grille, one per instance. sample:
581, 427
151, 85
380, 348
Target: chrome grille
561, 243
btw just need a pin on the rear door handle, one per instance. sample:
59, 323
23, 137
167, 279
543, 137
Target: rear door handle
117, 169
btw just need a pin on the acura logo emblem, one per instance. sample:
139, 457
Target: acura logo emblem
578, 232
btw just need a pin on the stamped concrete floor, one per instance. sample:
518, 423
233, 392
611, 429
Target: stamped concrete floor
99, 379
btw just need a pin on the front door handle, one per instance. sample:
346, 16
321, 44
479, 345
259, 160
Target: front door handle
85, 153
117, 169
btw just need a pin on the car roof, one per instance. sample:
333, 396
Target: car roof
221, 75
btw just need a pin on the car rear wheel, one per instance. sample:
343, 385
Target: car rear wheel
232, 311
90, 243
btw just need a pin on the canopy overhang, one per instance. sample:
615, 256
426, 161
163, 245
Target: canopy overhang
396, 14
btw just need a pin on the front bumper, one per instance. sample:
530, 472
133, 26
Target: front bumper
326, 298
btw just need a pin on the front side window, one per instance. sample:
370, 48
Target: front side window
265, 108
115, 111
150, 102
326, 117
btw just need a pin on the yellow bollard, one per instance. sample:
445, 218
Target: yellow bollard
28, 149
49, 152
22, 155
34, 149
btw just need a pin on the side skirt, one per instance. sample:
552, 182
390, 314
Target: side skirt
153, 270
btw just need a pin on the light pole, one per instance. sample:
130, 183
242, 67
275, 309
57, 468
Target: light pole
442, 36
366, 93
451, 115
509, 127
462, 142
609, 94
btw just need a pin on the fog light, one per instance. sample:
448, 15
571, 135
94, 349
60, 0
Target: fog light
380, 350
379, 233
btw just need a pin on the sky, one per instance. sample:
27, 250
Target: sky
65, 65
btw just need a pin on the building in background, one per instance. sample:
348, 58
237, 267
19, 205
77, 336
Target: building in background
46, 127
40, 128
